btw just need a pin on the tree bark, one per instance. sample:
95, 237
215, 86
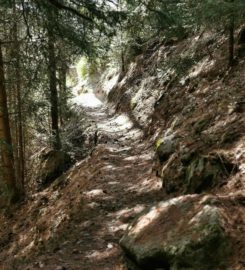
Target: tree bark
20, 137
231, 43
231, 38
62, 91
53, 90
7, 158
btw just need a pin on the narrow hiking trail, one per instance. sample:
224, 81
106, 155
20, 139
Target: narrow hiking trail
121, 185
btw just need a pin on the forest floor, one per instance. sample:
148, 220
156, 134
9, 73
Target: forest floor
121, 184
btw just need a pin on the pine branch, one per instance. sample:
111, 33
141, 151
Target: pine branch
62, 6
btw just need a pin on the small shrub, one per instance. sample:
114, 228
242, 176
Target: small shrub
85, 68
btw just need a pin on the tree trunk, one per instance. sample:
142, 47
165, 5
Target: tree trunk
231, 43
7, 158
20, 140
231, 38
123, 61
62, 91
53, 91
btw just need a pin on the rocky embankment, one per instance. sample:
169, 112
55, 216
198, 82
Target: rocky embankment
192, 108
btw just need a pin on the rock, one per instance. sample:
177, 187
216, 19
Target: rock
172, 175
191, 172
182, 233
241, 36
241, 43
75, 251
60, 268
110, 246
201, 124
206, 171
165, 147
41, 264
53, 164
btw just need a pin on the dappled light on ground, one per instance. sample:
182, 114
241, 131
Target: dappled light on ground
116, 192
79, 226
87, 100
118, 123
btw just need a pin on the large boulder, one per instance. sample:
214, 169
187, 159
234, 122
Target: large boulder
241, 36
183, 233
165, 147
191, 172
52, 164
207, 171
241, 42
172, 174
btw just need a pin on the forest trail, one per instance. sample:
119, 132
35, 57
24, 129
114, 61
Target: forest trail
122, 185
157, 115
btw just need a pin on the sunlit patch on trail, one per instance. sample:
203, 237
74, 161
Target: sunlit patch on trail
99, 255
122, 218
116, 227
87, 100
95, 193
136, 209
127, 212
118, 123
150, 184
143, 157
113, 183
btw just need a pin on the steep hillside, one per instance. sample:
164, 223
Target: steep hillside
183, 92
191, 106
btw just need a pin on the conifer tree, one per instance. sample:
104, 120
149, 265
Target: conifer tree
222, 15
6, 149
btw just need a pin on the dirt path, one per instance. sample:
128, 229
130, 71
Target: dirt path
121, 185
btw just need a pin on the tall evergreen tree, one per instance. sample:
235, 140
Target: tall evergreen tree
7, 158
222, 15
